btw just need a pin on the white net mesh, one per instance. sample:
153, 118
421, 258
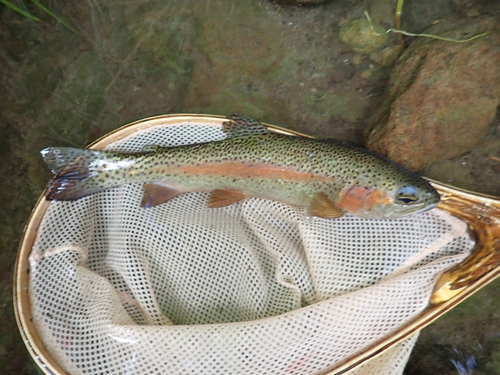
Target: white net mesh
256, 287
390, 362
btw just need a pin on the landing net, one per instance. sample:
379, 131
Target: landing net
257, 287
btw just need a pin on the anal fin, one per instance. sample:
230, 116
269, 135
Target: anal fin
156, 193
222, 198
322, 206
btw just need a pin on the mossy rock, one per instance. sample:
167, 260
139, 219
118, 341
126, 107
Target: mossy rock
359, 36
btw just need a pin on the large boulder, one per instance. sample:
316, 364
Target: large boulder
442, 96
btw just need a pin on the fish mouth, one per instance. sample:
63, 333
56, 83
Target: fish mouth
410, 210
428, 203
397, 212
432, 199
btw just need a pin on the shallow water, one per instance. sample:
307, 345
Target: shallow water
280, 63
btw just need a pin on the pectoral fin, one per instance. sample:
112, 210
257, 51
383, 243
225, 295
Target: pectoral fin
156, 193
222, 198
322, 206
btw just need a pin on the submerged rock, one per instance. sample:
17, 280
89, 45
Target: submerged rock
359, 36
387, 56
417, 15
441, 98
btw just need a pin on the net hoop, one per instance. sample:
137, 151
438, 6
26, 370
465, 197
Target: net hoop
482, 213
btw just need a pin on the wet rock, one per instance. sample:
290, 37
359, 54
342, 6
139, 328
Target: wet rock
279, 72
441, 98
478, 170
454, 172
382, 12
224, 79
387, 56
359, 36
419, 15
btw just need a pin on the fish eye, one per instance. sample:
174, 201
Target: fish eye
407, 195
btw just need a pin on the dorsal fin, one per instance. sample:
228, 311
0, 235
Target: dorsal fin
150, 148
240, 126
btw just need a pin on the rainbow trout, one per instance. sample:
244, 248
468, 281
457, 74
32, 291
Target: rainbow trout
330, 178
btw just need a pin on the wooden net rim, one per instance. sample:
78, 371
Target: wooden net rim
482, 212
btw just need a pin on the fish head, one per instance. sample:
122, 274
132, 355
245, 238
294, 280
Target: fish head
389, 199
408, 199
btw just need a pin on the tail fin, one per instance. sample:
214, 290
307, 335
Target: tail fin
71, 167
